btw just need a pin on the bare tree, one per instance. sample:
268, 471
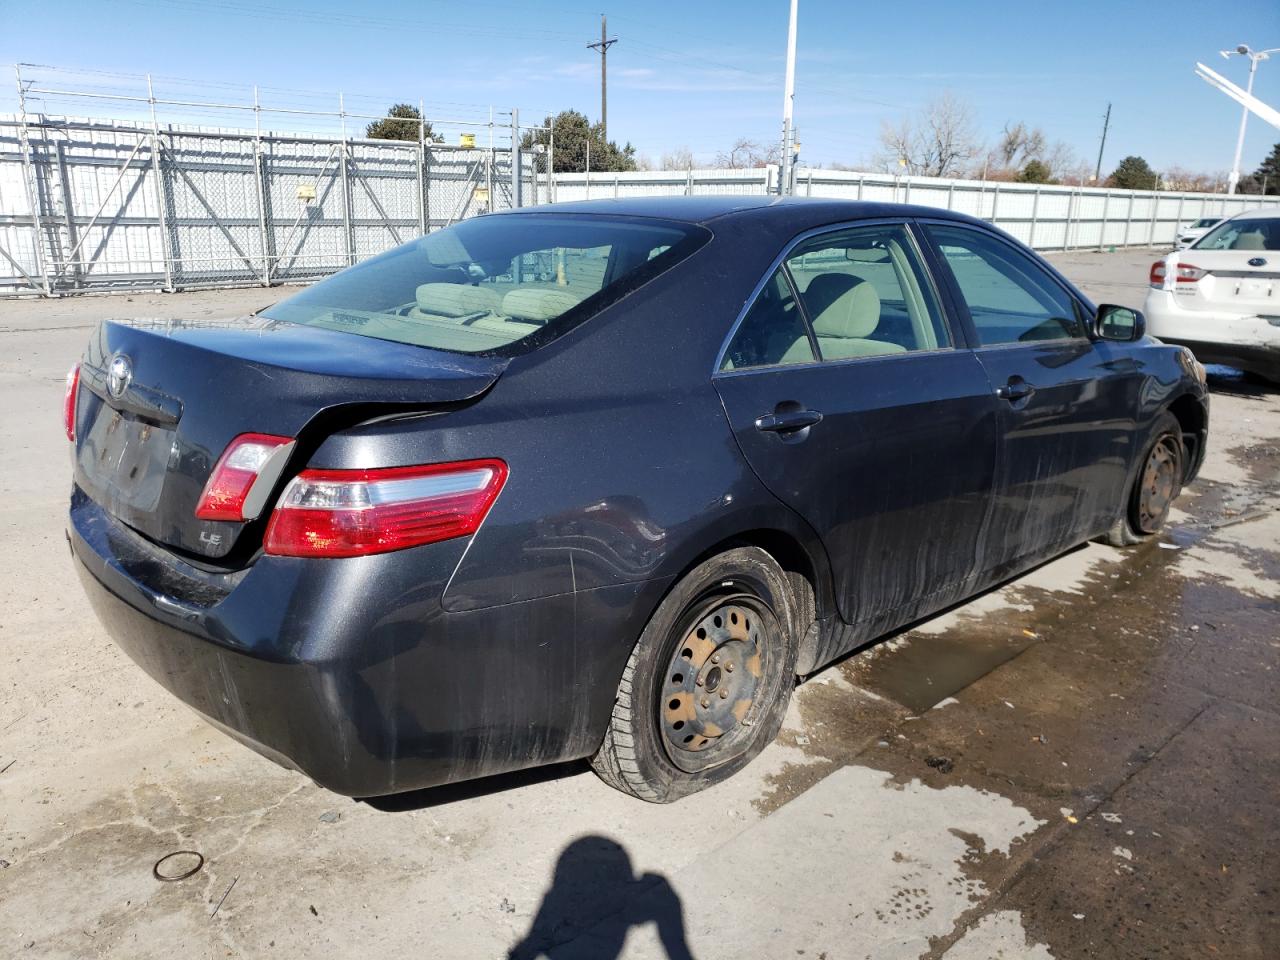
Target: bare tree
745, 154
681, 158
1180, 178
936, 143
1062, 162
1018, 145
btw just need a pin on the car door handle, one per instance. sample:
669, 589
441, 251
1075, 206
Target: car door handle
1016, 389
788, 420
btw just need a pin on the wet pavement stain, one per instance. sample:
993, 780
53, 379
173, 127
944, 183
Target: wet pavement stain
1068, 699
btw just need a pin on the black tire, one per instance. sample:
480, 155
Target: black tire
644, 752
1137, 522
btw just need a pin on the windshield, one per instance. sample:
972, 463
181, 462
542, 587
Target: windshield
1204, 224
494, 284
1248, 233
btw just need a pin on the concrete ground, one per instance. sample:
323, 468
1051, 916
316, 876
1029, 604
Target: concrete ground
1082, 764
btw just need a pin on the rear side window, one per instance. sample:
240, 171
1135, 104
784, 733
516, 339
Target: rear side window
865, 294
1011, 298
495, 285
772, 332
1251, 233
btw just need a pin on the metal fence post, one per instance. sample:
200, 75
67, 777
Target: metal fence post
166, 249
68, 208
260, 178
517, 175
1102, 232
422, 166
951, 195
349, 240
995, 203
1035, 210
1128, 220
31, 186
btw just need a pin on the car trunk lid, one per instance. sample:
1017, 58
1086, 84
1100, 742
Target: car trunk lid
150, 431
1247, 281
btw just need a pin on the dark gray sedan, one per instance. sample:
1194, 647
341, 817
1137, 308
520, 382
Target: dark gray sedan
602, 480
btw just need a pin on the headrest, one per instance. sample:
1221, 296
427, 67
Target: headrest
456, 299
539, 304
842, 306
1253, 240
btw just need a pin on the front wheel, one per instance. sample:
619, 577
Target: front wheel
1153, 490
707, 685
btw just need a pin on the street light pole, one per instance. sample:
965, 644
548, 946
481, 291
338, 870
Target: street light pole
1254, 56
788, 102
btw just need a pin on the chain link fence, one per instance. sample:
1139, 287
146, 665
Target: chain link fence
94, 205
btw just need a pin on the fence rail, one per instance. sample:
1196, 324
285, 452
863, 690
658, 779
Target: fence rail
1043, 216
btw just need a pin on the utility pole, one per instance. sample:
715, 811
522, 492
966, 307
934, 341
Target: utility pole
788, 102
1106, 122
603, 46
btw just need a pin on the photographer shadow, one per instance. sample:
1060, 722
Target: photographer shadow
594, 879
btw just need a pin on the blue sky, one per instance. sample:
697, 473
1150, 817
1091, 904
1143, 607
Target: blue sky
684, 74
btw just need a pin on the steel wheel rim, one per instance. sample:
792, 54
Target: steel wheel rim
1158, 485
710, 693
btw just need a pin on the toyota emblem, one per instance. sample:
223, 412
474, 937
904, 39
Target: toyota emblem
1258, 262
119, 376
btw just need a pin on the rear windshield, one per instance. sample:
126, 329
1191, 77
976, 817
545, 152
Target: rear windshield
1249, 233
494, 285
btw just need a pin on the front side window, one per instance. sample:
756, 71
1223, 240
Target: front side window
1251, 233
865, 293
1011, 298
496, 284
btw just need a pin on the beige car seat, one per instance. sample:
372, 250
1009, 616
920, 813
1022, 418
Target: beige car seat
846, 311
451, 301
540, 304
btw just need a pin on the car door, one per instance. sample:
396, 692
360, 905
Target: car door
1067, 404
850, 400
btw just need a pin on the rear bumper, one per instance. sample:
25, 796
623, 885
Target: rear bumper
350, 671
1240, 340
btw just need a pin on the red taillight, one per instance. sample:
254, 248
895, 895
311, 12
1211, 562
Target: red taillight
350, 513
69, 402
1188, 273
1183, 273
239, 467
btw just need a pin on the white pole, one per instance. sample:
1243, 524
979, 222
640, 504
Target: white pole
788, 103
1244, 118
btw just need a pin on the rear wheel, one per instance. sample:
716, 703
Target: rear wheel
707, 685
1154, 488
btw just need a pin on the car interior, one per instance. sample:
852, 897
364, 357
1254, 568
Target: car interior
1246, 234
861, 294
475, 288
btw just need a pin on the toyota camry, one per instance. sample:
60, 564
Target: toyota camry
602, 480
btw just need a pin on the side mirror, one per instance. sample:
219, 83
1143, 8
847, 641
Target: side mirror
1114, 322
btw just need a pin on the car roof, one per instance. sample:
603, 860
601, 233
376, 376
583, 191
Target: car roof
797, 212
1257, 213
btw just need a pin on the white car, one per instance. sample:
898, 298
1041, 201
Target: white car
1221, 297
1194, 231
